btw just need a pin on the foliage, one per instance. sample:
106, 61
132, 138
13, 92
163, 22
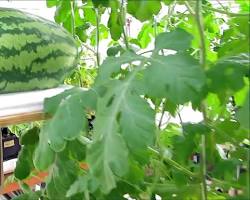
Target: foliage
130, 151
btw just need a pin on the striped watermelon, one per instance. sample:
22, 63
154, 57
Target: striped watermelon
34, 53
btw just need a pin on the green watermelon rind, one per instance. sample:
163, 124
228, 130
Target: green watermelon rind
35, 53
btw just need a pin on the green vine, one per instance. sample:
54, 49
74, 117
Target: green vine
97, 36
199, 18
123, 22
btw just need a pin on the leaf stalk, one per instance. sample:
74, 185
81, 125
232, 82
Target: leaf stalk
123, 21
97, 36
73, 18
175, 164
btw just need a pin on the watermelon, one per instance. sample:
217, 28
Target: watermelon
34, 53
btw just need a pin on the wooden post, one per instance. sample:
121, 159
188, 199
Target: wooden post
1, 161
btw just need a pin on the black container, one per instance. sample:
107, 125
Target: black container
10, 144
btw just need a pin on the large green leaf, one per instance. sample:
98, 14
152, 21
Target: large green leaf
243, 114
228, 130
244, 5
145, 35
67, 123
112, 66
115, 23
63, 12
122, 188
177, 77
76, 150
70, 118
228, 74
99, 3
168, 2
114, 50
235, 39
144, 10
241, 95
51, 104
51, 3
31, 137
189, 24
107, 158
89, 14
233, 47
137, 125
43, 151
79, 186
168, 134
188, 143
242, 24
109, 153
225, 169
24, 164
171, 40
64, 173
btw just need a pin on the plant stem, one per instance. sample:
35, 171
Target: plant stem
203, 167
155, 26
80, 77
73, 18
97, 37
226, 12
180, 118
157, 144
169, 15
148, 51
162, 113
199, 19
86, 195
190, 9
174, 164
123, 21
171, 187
248, 167
225, 183
218, 1
180, 167
89, 48
156, 171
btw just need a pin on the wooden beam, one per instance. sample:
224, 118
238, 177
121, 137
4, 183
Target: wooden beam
21, 118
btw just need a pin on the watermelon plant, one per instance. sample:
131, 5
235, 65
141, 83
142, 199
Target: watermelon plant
143, 62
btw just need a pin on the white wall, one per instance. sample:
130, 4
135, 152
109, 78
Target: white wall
37, 7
